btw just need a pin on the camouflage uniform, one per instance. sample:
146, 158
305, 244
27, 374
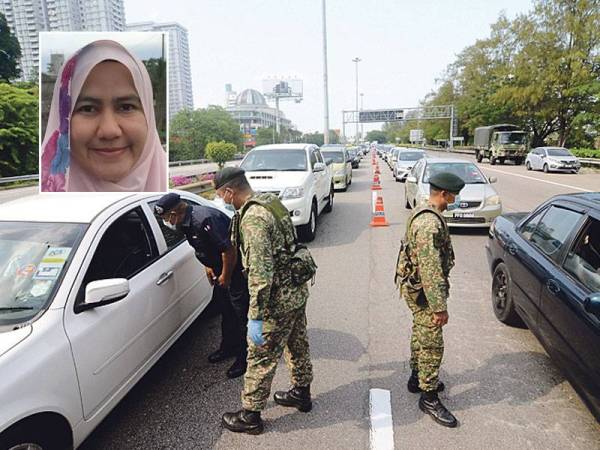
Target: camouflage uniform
426, 291
274, 300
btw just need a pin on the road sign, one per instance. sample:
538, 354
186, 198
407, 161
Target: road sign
381, 115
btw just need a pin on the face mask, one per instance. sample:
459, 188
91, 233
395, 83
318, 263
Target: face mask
221, 202
455, 205
169, 225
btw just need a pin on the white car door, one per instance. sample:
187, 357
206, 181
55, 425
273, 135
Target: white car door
412, 186
112, 343
537, 159
324, 184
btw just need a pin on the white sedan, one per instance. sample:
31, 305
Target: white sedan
94, 290
552, 159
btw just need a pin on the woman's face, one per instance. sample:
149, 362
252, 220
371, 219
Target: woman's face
108, 126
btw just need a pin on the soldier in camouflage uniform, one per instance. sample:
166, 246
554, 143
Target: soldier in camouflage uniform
424, 265
277, 314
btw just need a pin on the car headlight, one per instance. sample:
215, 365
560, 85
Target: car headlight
493, 200
293, 192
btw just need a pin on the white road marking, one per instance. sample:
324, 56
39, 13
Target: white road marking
382, 428
537, 179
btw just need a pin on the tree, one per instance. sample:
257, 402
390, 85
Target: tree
376, 135
19, 146
220, 152
10, 52
192, 130
319, 138
266, 136
157, 69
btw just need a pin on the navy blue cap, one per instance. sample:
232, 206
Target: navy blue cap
166, 203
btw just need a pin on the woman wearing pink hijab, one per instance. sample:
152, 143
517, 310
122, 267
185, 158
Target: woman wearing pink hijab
101, 134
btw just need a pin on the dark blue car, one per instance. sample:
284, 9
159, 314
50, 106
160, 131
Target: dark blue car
546, 273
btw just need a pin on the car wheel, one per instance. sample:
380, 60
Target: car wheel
502, 301
528, 165
546, 170
350, 182
479, 157
501, 160
329, 206
308, 231
493, 160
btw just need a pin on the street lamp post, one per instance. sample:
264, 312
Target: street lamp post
326, 96
356, 61
361, 108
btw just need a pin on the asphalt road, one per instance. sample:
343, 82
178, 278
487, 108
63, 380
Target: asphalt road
501, 384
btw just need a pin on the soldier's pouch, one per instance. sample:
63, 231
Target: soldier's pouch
302, 266
404, 267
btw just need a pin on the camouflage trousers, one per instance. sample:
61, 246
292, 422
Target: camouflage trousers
285, 335
426, 342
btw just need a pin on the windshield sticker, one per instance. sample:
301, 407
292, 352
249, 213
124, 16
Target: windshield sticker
48, 271
56, 255
26, 271
40, 287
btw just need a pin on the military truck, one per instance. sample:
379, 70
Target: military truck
500, 143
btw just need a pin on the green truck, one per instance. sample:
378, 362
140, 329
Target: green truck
500, 143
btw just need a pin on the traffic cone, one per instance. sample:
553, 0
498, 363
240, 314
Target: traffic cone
378, 214
376, 183
377, 171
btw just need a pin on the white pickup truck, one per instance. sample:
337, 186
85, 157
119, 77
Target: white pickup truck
300, 177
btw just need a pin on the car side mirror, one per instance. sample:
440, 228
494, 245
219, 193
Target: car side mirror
103, 292
319, 167
542, 156
493, 179
591, 304
411, 179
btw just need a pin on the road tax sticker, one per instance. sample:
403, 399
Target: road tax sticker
48, 271
56, 255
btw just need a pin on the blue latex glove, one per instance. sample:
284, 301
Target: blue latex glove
255, 329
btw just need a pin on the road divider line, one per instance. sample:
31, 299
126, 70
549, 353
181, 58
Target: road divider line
382, 427
537, 179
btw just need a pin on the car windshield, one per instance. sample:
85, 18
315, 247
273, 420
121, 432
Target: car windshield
559, 152
352, 153
34, 259
335, 156
275, 160
468, 172
511, 138
410, 156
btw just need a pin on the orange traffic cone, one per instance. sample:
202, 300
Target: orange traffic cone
377, 171
378, 215
376, 183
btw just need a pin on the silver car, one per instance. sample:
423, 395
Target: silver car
479, 202
406, 160
552, 159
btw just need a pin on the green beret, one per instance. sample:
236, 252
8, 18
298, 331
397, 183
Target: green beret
227, 174
446, 181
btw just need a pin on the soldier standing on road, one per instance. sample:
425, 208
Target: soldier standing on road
207, 231
424, 263
277, 314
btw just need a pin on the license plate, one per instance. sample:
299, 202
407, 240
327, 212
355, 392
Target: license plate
462, 215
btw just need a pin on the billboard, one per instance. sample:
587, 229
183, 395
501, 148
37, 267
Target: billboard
282, 87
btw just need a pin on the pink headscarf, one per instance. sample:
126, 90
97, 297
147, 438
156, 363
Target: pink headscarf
60, 172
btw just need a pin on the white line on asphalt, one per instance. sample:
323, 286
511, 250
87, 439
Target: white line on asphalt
382, 428
537, 179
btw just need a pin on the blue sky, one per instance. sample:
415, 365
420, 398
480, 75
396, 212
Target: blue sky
404, 47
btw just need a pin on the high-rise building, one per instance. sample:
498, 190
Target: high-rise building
180, 72
26, 18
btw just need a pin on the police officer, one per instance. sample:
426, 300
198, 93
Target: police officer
424, 270
277, 314
207, 231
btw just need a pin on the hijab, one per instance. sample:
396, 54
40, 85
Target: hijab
60, 172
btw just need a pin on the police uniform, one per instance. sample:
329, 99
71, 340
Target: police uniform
207, 231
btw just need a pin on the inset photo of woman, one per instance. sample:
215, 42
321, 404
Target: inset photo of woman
103, 112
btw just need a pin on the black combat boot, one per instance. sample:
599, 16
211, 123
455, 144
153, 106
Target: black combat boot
431, 404
243, 421
298, 397
413, 383
238, 368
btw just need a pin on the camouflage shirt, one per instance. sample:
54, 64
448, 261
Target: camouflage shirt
430, 250
266, 258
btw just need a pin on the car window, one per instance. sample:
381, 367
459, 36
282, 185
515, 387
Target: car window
554, 229
583, 260
528, 229
275, 160
172, 237
127, 247
319, 156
